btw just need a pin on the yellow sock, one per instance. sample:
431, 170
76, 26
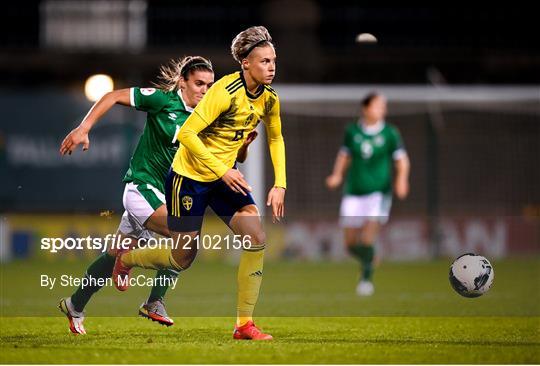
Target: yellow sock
250, 273
241, 320
157, 258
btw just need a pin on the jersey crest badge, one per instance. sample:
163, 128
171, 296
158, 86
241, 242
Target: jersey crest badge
249, 119
148, 91
366, 149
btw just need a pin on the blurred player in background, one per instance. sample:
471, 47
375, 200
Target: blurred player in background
204, 174
182, 84
371, 151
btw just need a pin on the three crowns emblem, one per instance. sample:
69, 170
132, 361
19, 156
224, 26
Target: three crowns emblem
187, 202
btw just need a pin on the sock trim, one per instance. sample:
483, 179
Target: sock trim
255, 248
173, 263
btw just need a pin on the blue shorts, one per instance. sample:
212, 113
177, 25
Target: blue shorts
187, 200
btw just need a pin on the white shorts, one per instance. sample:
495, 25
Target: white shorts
356, 210
138, 208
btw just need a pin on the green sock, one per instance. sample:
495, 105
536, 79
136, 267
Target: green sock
357, 251
102, 267
364, 254
367, 262
159, 289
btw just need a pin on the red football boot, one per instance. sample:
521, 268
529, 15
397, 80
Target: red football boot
250, 331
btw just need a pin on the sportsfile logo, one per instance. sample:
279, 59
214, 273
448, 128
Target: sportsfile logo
115, 242
110, 241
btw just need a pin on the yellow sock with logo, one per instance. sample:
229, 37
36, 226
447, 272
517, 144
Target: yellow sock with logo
155, 258
250, 273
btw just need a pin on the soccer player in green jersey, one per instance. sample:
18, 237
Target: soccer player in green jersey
182, 85
372, 150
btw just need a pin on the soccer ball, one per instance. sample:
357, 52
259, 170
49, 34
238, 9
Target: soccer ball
471, 275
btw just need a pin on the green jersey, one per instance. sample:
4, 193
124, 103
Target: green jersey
373, 150
166, 113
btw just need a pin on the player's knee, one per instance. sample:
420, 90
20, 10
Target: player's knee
185, 263
350, 241
258, 238
367, 240
183, 260
249, 211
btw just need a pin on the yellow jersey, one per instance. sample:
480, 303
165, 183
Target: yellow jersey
211, 137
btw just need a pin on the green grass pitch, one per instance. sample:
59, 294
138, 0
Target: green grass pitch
310, 308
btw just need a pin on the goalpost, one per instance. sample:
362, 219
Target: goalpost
475, 150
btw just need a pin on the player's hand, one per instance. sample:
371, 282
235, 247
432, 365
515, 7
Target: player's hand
73, 139
333, 181
250, 138
276, 199
243, 151
235, 180
401, 188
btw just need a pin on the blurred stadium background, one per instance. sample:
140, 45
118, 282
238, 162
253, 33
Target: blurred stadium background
463, 87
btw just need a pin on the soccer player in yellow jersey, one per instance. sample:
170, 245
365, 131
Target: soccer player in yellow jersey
203, 174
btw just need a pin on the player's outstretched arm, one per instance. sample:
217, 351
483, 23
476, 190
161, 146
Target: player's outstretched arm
79, 135
341, 165
243, 152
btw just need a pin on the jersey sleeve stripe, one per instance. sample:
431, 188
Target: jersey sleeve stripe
233, 84
398, 154
132, 96
270, 90
234, 89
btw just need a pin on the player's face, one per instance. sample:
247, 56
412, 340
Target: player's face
196, 86
261, 64
376, 110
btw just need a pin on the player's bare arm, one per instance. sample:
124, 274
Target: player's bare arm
401, 181
242, 153
79, 135
341, 165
